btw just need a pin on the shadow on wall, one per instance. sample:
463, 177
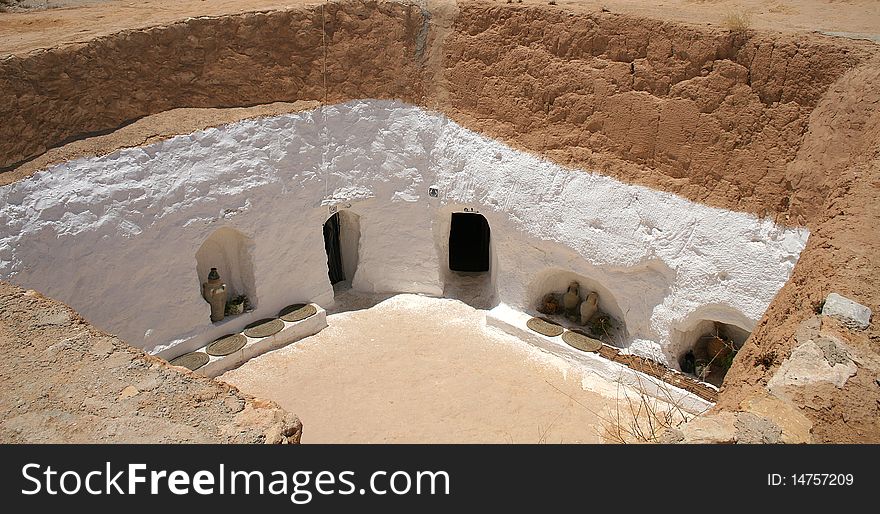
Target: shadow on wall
229, 251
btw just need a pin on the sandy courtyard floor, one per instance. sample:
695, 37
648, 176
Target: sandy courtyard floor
413, 369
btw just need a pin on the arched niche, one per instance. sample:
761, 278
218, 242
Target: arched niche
556, 281
711, 335
229, 251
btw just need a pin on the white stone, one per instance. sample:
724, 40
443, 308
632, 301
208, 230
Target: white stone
808, 364
116, 236
852, 314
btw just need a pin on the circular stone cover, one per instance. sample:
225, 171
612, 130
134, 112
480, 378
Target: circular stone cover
581, 341
545, 327
191, 361
297, 312
264, 328
226, 345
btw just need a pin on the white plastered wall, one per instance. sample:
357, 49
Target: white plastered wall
349, 240
116, 236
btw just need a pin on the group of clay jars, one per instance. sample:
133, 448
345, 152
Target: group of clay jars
572, 306
708, 354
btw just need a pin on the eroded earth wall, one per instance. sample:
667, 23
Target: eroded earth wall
67, 382
713, 116
367, 50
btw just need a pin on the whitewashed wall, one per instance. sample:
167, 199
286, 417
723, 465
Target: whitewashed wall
116, 236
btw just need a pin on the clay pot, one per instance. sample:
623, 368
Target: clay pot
717, 348
234, 308
688, 363
571, 299
700, 349
589, 307
214, 292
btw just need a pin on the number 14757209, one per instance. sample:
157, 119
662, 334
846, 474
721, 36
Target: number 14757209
810, 479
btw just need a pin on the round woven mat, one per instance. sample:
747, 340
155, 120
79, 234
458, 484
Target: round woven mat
581, 341
545, 327
297, 312
264, 327
191, 361
226, 345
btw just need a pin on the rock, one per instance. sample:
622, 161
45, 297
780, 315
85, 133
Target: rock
852, 314
754, 429
823, 360
833, 353
102, 347
796, 427
717, 428
273, 434
808, 329
149, 383
128, 392
235, 405
670, 436
52, 317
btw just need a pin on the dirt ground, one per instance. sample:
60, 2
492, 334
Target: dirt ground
30, 26
386, 375
63, 381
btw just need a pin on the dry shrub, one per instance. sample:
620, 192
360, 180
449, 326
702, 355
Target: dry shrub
737, 21
638, 417
642, 418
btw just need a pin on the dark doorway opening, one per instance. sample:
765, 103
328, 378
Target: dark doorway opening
469, 242
334, 250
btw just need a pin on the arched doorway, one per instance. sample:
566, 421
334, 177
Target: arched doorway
469, 243
341, 239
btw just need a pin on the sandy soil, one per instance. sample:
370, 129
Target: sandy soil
386, 375
68, 21
63, 381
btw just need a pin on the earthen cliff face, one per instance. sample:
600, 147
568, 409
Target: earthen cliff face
710, 115
60, 94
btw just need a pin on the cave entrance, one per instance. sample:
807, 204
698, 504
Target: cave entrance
334, 249
469, 243
341, 239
